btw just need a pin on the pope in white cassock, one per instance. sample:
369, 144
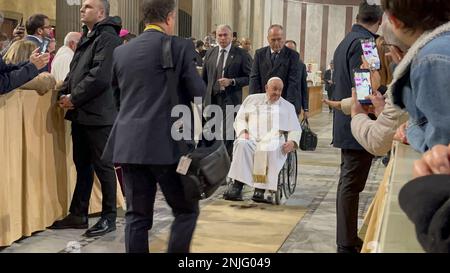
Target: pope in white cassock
261, 148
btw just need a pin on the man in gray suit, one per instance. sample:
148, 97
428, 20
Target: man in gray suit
226, 71
140, 140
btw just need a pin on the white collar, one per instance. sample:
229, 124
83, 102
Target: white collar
39, 39
271, 51
266, 101
228, 48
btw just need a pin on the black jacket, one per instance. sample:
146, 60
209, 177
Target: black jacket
426, 201
142, 132
89, 79
347, 57
14, 76
286, 67
327, 77
304, 94
238, 66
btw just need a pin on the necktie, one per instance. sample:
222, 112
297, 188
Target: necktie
274, 57
219, 71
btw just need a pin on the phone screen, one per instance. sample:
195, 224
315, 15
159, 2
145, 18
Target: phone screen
363, 86
371, 53
44, 46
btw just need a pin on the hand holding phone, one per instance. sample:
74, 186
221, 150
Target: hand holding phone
363, 86
370, 52
44, 46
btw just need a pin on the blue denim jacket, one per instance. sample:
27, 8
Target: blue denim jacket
427, 97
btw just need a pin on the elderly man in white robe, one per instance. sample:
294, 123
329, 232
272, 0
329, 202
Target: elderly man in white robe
268, 130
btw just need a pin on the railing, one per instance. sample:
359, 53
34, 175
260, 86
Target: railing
395, 233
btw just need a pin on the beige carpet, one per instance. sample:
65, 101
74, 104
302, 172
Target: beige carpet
243, 227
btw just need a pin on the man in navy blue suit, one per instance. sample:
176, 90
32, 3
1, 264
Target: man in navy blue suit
140, 140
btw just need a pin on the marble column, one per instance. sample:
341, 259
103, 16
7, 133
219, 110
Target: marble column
129, 11
67, 18
222, 13
199, 18
243, 10
258, 29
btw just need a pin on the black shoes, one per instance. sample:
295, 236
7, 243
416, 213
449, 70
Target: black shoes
71, 222
234, 193
102, 227
351, 249
258, 197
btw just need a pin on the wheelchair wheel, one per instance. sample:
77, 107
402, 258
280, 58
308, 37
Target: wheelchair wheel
292, 174
282, 178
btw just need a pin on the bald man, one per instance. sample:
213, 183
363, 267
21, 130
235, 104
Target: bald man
261, 148
61, 63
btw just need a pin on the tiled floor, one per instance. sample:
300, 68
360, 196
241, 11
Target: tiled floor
315, 233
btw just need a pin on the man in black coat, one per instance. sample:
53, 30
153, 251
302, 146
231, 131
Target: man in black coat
226, 71
329, 84
14, 76
276, 60
88, 96
356, 162
304, 94
141, 139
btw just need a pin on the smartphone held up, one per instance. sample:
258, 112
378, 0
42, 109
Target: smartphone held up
363, 86
370, 52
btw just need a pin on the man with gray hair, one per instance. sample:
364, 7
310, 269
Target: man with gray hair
277, 60
226, 71
62, 60
88, 96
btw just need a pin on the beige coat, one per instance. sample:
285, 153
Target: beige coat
43, 83
376, 136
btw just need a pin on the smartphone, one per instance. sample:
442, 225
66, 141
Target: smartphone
44, 46
370, 52
363, 85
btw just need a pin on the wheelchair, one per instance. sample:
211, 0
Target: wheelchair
287, 180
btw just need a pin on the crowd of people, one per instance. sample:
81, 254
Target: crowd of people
114, 87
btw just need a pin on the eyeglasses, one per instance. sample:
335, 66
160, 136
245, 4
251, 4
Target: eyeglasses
47, 27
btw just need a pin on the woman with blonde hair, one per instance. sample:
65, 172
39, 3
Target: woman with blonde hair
20, 52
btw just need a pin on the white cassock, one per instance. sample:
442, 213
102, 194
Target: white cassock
61, 63
263, 122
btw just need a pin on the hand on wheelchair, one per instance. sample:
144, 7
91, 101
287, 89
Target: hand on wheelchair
288, 147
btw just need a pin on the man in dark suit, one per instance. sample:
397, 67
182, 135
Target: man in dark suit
356, 162
277, 60
140, 140
38, 28
88, 97
329, 84
304, 95
226, 71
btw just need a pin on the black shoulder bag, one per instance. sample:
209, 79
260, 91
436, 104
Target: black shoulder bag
309, 140
210, 161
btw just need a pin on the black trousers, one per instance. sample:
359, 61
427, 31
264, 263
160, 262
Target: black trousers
330, 94
355, 168
140, 190
88, 145
223, 100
